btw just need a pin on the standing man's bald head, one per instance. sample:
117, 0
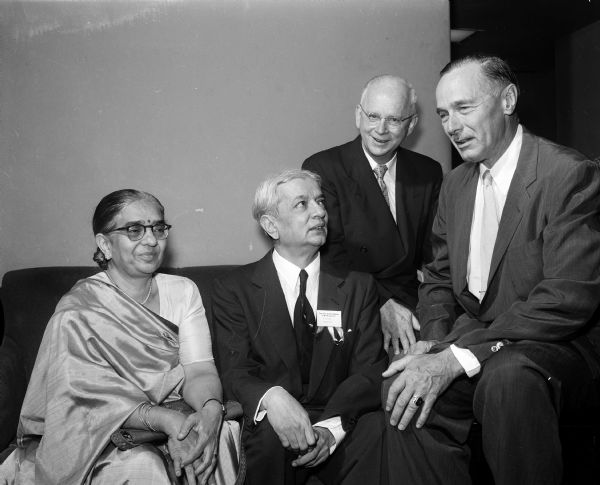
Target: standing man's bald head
387, 81
386, 115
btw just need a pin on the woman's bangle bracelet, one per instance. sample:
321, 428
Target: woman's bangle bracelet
144, 412
216, 400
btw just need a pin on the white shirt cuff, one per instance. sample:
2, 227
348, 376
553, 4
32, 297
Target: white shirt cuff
334, 425
466, 359
260, 414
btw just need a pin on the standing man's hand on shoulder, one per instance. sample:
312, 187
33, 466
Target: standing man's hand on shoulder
289, 420
398, 325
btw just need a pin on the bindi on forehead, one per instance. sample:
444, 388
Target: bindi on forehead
140, 212
143, 221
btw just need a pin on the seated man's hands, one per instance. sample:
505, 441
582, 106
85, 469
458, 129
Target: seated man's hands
289, 420
398, 325
423, 376
320, 452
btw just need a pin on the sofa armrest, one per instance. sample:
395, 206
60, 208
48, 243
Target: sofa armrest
13, 384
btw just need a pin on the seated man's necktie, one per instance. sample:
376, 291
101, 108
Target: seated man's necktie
304, 328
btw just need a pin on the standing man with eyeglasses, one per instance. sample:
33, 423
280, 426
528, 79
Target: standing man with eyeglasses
381, 199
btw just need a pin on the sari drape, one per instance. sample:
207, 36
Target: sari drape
102, 355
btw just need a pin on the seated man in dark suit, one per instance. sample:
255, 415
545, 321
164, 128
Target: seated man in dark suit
299, 345
381, 199
510, 300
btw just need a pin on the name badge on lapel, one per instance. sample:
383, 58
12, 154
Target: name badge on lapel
329, 318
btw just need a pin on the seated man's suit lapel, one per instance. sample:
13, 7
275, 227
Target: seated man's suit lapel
516, 199
274, 323
462, 215
324, 351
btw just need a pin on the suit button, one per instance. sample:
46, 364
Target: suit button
363, 249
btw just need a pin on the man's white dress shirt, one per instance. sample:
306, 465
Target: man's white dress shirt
502, 174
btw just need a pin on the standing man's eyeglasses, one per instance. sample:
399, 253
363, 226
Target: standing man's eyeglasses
392, 121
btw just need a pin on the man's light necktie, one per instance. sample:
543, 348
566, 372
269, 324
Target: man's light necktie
379, 173
489, 229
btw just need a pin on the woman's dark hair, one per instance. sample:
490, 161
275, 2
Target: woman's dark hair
108, 209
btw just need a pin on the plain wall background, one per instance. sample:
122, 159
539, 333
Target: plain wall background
577, 83
194, 102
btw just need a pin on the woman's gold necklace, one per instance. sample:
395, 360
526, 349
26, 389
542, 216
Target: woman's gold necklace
140, 302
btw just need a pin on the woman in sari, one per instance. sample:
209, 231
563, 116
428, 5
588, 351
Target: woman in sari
120, 345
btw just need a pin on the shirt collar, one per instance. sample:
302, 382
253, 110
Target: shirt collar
288, 272
504, 169
391, 165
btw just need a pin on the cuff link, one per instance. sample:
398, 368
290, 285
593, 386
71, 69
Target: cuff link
499, 345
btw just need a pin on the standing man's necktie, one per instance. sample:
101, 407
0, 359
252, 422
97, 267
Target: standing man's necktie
489, 229
304, 328
379, 173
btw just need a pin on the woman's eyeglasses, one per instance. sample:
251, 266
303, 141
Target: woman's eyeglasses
135, 232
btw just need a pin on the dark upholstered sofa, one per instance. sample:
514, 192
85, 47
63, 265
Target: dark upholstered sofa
28, 298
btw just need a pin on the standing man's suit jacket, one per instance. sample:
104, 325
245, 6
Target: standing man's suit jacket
544, 282
363, 235
256, 347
